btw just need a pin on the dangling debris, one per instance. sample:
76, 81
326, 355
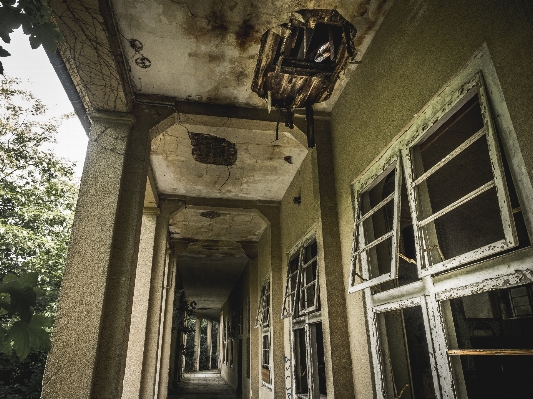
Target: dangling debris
300, 61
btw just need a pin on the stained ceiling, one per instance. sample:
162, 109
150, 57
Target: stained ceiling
206, 50
199, 156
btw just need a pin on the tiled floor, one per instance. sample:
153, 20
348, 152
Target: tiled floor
203, 385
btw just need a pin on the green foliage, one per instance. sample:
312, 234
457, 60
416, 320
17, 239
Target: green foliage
183, 313
37, 199
23, 330
35, 17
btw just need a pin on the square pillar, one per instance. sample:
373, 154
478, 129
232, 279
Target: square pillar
139, 311
150, 367
209, 342
197, 336
92, 322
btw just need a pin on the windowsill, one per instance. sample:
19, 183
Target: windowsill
266, 386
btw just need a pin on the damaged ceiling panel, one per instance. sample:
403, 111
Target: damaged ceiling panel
200, 156
200, 223
206, 51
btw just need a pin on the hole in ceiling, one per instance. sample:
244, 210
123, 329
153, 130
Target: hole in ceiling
210, 214
213, 150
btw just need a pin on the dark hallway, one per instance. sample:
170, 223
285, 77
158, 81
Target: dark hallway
203, 385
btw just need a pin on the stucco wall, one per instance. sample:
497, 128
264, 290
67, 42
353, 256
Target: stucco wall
419, 47
237, 299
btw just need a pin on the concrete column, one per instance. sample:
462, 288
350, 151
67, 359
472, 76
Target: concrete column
167, 325
254, 357
333, 300
92, 318
155, 301
197, 336
162, 318
139, 311
209, 342
175, 335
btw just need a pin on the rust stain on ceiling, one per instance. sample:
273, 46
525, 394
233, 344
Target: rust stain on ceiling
205, 50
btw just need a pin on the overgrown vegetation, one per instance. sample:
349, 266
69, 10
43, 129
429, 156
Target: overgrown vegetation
35, 17
189, 349
37, 200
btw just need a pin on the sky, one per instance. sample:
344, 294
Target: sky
38, 76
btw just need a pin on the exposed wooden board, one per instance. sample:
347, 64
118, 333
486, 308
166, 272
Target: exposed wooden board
490, 352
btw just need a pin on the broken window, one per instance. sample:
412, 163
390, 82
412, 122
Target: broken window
224, 340
490, 337
231, 338
309, 367
375, 249
263, 321
302, 304
406, 347
454, 221
442, 250
301, 285
458, 185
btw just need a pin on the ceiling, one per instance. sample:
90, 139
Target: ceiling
214, 260
205, 51
202, 156
217, 224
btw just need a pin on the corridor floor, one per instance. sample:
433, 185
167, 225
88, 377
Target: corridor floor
203, 385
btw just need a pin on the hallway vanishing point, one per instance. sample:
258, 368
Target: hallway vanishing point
203, 385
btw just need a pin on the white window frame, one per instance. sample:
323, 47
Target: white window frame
292, 296
303, 319
473, 87
360, 247
264, 324
431, 291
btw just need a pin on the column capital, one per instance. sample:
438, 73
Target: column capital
111, 117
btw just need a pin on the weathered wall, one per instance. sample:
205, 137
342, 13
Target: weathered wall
237, 299
419, 47
296, 220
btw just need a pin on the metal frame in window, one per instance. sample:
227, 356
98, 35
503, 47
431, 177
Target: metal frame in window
263, 320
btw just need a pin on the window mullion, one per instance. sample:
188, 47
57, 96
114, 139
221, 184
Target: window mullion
376, 242
312, 361
396, 221
290, 294
376, 208
438, 356
497, 169
412, 164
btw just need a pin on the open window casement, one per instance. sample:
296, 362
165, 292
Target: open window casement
376, 227
263, 310
456, 184
308, 295
291, 286
301, 286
